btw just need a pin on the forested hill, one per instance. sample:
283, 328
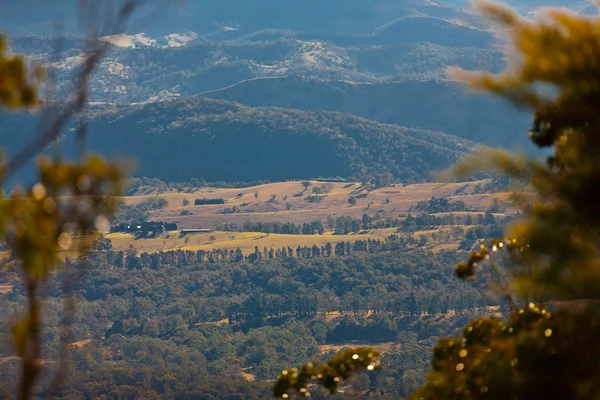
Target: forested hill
436, 104
179, 139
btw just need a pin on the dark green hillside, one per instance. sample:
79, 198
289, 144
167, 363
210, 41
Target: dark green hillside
431, 104
191, 137
422, 60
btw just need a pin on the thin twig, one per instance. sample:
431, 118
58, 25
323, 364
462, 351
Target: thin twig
96, 50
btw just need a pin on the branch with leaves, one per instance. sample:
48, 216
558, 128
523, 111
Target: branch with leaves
341, 367
71, 202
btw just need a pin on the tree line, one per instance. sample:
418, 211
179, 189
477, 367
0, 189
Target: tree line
132, 260
346, 224
285, 228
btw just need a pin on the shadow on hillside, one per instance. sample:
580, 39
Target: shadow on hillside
314, 199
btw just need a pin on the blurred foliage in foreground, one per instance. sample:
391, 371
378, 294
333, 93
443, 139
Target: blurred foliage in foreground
340, 368
551, 255
61, 212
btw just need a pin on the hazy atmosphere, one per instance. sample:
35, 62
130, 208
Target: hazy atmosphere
253, 199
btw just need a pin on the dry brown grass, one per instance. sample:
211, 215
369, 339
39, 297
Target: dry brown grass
248, 376
388, 201
81, 343
380, 347
247, 241
5, 289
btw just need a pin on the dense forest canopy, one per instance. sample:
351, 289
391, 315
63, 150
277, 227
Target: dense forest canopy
181, 139
203, 324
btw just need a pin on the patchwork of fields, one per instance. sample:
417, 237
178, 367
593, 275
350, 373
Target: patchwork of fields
292, 202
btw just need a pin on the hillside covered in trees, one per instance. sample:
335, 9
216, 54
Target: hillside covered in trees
435, 104
220, 330
220, 141
191, 137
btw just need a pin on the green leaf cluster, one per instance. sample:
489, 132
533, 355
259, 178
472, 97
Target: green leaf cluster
329, 375
17, 82
554, 248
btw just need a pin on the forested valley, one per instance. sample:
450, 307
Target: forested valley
198, 330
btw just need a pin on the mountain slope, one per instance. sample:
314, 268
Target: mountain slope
207, 17
177, 140
442, 105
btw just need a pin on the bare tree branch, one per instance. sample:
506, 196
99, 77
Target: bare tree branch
95, 51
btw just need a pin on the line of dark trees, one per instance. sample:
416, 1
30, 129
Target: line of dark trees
346, 225
441, 204
144, 228
131, 260
201, 202
420, 222
286, 228
429, 221
259, 307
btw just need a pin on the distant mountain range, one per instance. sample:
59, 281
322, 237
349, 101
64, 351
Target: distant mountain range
159, 17
147, 72
358, 86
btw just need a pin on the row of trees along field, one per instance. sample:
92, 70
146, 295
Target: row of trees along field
347, 224
131, 259
547, 264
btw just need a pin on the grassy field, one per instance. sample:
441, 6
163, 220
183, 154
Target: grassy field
380, 347
289, 202
246, 241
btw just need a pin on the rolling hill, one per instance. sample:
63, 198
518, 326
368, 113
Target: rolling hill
434, 104
179, 139
293, 204
193, 137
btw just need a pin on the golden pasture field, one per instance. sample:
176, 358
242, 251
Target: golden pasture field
290, 202
293, 204
246, 241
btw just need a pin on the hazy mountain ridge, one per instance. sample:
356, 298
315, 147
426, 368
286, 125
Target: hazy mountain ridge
230, 41
192, 137
381, 60
207, 16
139, 74
439, 105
